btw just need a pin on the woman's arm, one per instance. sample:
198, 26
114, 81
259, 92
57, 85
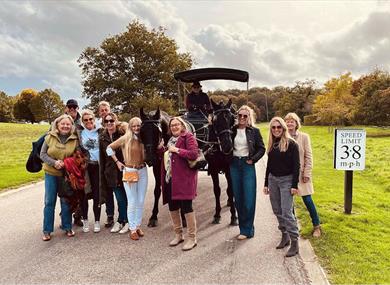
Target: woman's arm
57, 164
191, 149
307, 157
259, 146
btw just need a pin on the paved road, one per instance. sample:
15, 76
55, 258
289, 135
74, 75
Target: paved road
114, 258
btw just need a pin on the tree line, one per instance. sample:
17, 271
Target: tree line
135, 69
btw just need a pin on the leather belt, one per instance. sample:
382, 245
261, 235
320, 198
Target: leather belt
137, 166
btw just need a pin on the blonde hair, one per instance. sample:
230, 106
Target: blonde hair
54, 125
251, 118
293, 116
87, 112
128, 137
284, 139
103, 103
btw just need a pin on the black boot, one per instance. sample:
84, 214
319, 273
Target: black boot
294, 248
284, 242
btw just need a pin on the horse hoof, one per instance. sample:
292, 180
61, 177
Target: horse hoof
152, 223
216, 220
233, 222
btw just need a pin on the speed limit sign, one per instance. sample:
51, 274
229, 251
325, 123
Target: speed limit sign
350, 149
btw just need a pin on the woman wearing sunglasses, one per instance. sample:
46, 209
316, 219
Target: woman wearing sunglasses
281, 182
89, 141
248, 149
110, 175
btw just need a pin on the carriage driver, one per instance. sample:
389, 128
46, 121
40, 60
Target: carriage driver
197, 102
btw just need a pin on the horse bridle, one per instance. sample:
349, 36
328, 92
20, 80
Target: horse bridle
157, 124
219, 133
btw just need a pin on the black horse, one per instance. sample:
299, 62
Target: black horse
154, 129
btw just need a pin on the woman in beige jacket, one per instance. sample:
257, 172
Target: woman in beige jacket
305, 185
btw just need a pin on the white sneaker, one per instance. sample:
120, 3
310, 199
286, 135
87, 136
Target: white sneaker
96, 227
85, 226
116, 228
125, 229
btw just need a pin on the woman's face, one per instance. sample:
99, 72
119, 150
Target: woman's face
109, 123
64, 126
89, 122
243, 118
291, 125
135, 127
276, 129
176, 127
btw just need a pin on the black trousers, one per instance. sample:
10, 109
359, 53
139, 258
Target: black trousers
93, 172
184, 205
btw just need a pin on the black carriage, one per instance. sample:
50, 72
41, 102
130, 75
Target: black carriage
198, 119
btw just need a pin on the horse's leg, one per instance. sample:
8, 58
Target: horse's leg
157, 193
217, 194
229, 191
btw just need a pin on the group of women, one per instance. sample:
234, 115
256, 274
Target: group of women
115, 164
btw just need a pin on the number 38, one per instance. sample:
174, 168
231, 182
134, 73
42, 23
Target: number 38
356, 152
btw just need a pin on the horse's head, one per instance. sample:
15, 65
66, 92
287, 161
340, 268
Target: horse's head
223, 121
150, 134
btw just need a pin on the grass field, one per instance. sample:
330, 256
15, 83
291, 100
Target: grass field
15, 146
354, 249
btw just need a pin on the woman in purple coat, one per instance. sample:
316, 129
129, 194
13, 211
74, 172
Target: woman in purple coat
179, 180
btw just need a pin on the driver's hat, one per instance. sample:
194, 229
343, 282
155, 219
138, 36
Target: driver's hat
196, 84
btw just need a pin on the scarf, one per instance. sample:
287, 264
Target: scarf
168, 157
75, 170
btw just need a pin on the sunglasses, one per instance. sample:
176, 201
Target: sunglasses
109, 121
88, 120
243, 116
276, 127
72, 107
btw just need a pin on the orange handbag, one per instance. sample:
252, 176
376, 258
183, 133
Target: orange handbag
130, 176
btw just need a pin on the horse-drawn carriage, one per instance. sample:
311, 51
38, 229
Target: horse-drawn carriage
197, 118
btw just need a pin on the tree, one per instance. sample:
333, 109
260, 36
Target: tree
151, 103
22, 109
335, 105
6, 107
135, 63
372, 93
298, 99
47, 106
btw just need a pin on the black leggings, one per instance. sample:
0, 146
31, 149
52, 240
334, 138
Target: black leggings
93, 172
173, 205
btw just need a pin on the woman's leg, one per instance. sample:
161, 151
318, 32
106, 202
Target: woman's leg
142, 186
236, 177
309, 203
66, 215
131, 195
248, 200
50, 203
287, 204
120, 195
93, 171
275, 199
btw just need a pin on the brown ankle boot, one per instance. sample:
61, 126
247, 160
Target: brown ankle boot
191, 232
176, 222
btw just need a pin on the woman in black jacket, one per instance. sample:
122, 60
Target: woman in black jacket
248, 149
111, 177
281, 181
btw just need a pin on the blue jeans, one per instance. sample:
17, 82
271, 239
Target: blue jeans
135, 193
51, 189
309, 203
121, 198
243, 177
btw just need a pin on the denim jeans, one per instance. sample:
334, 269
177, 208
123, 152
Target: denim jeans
243, 177
135, 193
309, 203
51, 189
282, 202
120, 196
110, 208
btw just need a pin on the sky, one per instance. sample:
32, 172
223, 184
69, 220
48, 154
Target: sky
277, 42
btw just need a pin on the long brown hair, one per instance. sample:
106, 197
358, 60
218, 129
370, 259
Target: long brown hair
284, 139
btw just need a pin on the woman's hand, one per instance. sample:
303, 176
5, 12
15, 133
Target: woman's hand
172, 148
160, 145
266, 190
59, 164
294, 191
249, 161
120, 165
305, 179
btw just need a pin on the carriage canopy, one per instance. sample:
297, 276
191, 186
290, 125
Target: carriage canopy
213, 73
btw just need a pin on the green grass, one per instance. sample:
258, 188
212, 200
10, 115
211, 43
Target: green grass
15, 146
354, 249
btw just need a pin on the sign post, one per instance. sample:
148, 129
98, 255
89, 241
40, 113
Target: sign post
349, 155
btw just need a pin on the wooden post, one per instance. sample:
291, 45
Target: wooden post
348, 178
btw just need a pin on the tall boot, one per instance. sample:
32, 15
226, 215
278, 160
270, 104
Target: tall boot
176, 223
294, 248
284, 242
191, 231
